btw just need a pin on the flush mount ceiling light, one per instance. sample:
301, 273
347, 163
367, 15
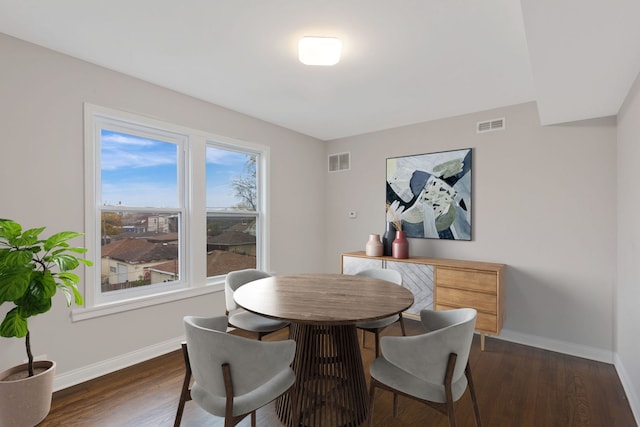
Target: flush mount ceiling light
319, 50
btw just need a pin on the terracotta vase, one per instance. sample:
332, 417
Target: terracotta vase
374, 245
400, 246
26, 401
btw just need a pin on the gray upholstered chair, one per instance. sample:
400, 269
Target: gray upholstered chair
376, 326
238, 318
243, 319
234, 376
433, 367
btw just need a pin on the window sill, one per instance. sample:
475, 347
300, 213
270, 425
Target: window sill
147, 301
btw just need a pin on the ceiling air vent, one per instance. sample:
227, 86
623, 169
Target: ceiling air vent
490, 125
339, 162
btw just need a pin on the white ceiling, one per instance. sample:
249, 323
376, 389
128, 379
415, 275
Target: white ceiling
403, 62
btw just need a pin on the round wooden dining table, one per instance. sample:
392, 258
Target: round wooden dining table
323, 309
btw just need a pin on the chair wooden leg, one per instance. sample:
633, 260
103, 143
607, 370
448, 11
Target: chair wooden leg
474, 398
253, 419
185, 394
377, 332
228, 388
364, 334
395, 405
448, 378
404, 332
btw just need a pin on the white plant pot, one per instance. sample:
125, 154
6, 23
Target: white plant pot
26, 401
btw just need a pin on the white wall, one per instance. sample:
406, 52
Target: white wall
42, 183
628, 292
544, 203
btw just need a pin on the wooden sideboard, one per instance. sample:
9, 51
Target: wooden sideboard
443, 284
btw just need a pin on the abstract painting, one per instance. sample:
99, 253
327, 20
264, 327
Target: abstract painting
431, 194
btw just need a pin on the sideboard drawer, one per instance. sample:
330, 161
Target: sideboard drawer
468, 279
462, 298
484, 322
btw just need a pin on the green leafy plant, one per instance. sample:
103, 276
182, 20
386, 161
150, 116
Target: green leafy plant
32, 269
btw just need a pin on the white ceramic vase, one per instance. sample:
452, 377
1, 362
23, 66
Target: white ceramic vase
374, 245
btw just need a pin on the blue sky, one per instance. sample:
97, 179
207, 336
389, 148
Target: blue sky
142, 172
222, 167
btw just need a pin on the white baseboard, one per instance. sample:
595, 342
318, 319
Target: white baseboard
572, 349
104, 367
627, 384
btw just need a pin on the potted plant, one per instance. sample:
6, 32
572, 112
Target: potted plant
32, 269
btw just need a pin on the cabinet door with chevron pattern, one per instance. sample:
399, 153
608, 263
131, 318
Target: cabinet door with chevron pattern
418, 278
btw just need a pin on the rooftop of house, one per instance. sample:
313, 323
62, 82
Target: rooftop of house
138, 251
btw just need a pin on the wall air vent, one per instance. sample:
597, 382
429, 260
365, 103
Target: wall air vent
490, 125
339, 162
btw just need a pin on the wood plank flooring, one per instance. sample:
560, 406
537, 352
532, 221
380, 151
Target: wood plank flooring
517, 386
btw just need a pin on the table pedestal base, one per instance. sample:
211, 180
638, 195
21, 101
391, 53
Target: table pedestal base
330, 388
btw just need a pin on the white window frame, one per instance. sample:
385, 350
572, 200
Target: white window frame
192, 187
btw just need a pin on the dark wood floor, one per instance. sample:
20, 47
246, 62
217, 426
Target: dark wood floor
516, 386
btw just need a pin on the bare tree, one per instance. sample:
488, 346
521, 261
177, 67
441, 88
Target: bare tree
245, 186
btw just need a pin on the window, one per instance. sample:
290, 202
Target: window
233, 219
139, 170
170, 210
140, 173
